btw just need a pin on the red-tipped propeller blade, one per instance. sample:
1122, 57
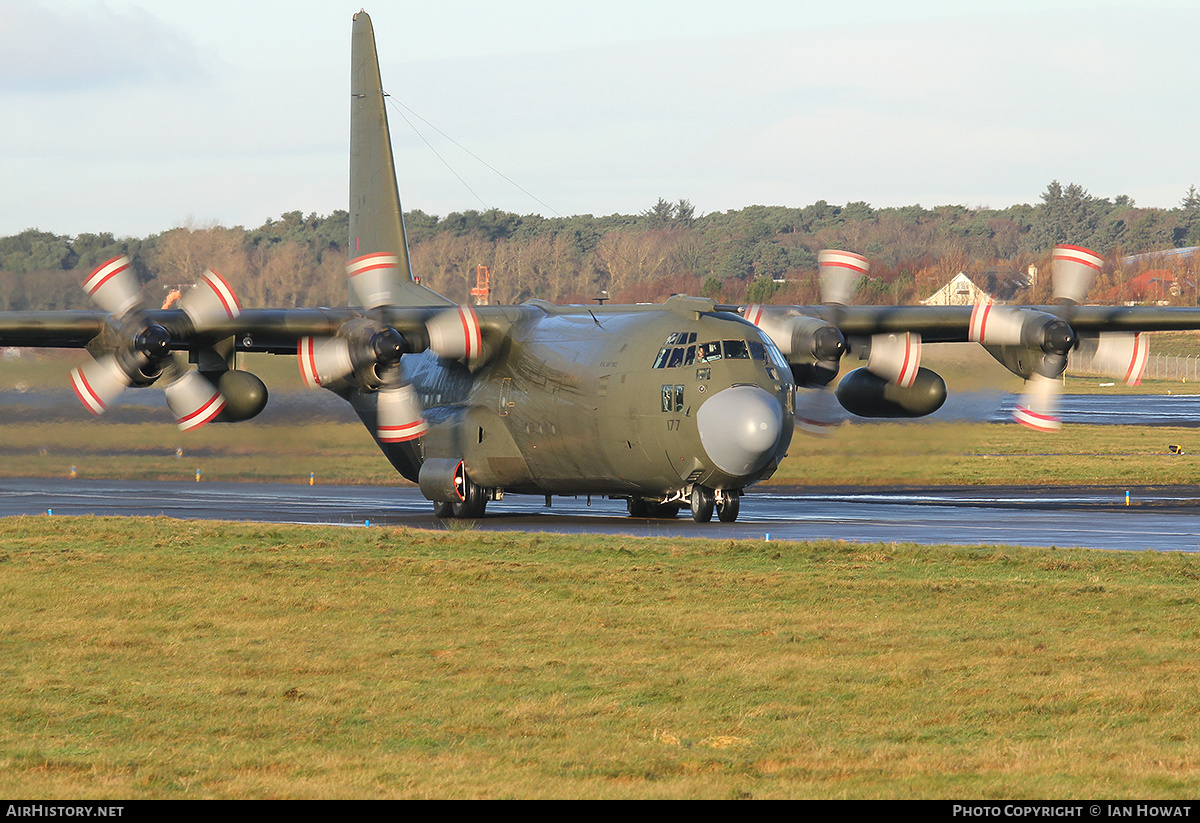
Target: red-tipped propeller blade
1122, 355
323, 360
399, 415
113, 286
1074, 270
1038, 406
454, 334
210, 302
372, 278
895, 357
98, 383
840, 272
193, 400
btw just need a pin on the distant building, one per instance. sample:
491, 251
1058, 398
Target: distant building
960, 291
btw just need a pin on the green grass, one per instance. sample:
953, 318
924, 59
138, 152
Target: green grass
909, 453
165, 659
991, 454
286, 452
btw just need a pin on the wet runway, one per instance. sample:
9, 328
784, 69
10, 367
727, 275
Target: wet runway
1163, 518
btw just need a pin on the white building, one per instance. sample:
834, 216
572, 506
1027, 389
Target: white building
960, 291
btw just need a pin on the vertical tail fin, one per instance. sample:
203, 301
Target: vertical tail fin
376, 220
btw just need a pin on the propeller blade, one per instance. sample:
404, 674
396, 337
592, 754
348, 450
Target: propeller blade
399, 416
113, 287
1074, 269
210, 302
1122, 355
895, 357
193, 400
840, 272
372, 278
817, 411
1038, 407
323, 360
98, 383
454, 334
994, 325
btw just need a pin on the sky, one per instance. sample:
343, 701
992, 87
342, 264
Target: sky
137, 117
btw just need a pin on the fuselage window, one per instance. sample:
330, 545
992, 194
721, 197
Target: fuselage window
672, 398
708, 352
661, 361
676, 358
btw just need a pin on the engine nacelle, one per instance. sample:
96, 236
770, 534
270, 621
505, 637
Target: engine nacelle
1025, 362
443, 479
868, 395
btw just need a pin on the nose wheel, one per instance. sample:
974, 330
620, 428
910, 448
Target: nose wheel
728, 506
703, 500
727, 503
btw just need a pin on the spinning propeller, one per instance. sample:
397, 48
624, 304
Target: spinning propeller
367, 352
139, 352
815, 347
1049, 338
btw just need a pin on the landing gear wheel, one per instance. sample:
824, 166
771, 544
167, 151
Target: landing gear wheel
637, 507
442, 511
702, 504
473, 503
663, 510
729, 506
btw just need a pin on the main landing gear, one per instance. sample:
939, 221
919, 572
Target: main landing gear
474, 501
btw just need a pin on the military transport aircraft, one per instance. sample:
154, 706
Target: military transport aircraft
684, 403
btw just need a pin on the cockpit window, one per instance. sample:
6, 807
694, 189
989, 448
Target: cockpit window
679, 351
737, 350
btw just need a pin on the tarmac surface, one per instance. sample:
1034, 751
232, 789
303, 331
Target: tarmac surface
1159, 518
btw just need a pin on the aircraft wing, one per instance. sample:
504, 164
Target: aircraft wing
952, 324
131, 345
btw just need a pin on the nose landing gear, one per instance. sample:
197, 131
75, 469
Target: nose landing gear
726, 502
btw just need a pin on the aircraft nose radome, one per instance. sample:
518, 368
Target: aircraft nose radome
740, 428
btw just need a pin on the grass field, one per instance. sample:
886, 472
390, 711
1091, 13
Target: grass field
859, 454
153, 658
168, 659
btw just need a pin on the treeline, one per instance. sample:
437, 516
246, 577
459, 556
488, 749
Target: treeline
755, 254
